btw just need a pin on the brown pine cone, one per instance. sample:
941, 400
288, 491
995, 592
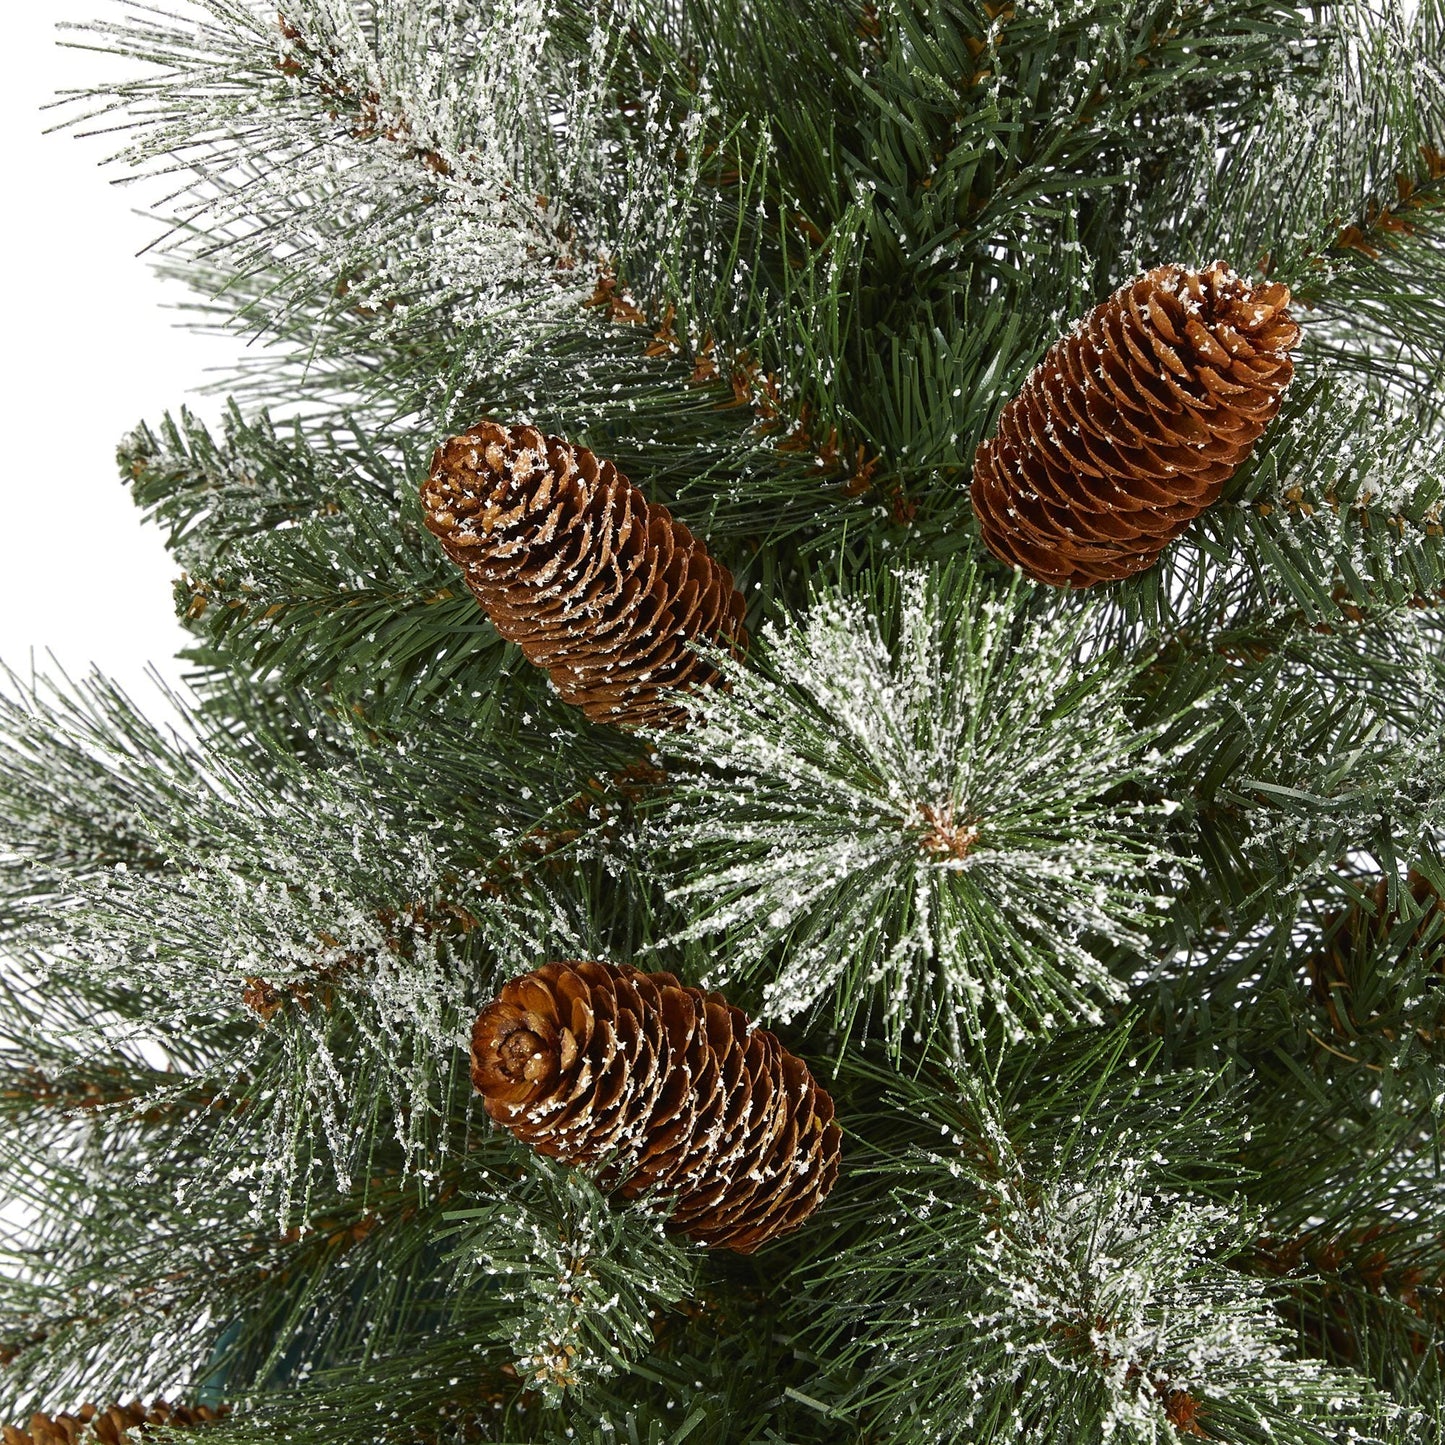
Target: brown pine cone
572, 563
1132, 423
586, 1060
115, 1425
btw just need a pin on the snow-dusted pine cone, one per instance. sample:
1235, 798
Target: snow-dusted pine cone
115, 1425
572, 563
1132, 423
586, 1061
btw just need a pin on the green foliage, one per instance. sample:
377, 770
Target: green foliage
925, 191
324, 903
275, 534
317, 142
1347, 154
1342, 513
930, 804
559, 1259
1069, 1245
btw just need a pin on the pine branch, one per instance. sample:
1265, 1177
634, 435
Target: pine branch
1055, 1243
1298, 770
381, 939
417, 165
870, 258
1340, 135
307, 601
566, 1267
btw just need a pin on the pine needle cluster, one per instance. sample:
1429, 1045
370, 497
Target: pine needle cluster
927, 802
1106, 1294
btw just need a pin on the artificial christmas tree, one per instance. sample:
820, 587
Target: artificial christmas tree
1075, 812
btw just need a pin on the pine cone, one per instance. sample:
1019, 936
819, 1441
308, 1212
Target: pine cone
1182, 1409
115, 1425
1132, 423
586, 1060
571, 562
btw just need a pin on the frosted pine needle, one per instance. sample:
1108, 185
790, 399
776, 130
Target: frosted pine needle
942, 816
1106, 1289
297, 948
392, 162
1068, 1243
568, 1266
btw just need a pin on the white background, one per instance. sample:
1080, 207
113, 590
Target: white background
91, 347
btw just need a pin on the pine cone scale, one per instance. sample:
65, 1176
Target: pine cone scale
809, 1190
1215, 360
668, 1084
1096, 345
